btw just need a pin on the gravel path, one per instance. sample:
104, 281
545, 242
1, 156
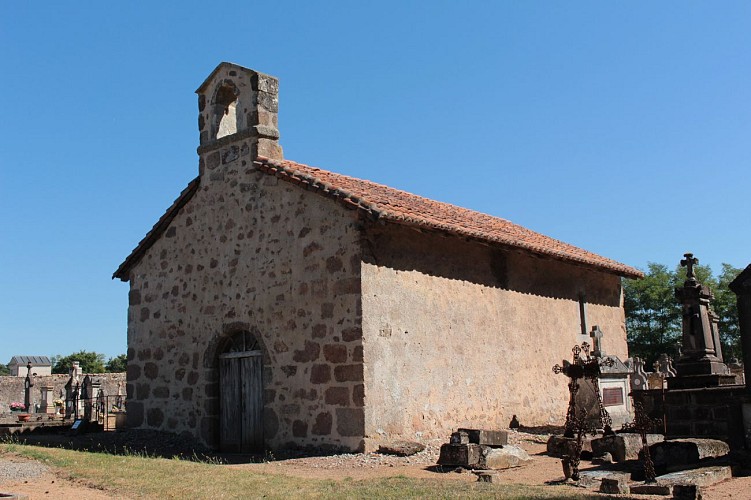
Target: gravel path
18, 471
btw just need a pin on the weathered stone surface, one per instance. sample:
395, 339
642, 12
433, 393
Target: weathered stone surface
460, 455
678, 452
703, 476
484, 437
486, 476
401, 448
614, 486
504, 458
323, 423
558, 445
651, 489
593, 478
622, 446
459, 437
605, 458
350, 421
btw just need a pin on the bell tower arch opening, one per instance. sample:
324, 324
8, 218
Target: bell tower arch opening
224, 121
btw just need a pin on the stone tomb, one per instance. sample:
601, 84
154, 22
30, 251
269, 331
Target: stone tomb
481, 449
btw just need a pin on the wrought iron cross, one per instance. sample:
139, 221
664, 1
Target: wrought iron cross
689, 262
644, 424
577, 427
585, 367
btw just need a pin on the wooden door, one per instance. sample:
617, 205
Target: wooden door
241, 402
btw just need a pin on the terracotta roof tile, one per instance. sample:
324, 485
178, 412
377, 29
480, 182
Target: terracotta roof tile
401, 207
406, 208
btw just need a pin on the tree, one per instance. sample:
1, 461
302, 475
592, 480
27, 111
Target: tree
4, 370
653, 319
117, 364
726, 307
653, 315
91, 362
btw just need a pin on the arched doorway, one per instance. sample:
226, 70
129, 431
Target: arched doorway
241, 394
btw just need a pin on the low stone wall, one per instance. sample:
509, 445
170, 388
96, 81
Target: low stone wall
11, 388
713, 412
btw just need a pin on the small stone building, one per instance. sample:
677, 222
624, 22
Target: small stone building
276, 304
40, 365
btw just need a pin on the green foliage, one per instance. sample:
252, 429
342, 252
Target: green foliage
4, 370
654, 317
117, 364
91, 362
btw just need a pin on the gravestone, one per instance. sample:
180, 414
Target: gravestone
72, 392
27, 385
87, 397
700, 365
47, 394
664, 365
638, 379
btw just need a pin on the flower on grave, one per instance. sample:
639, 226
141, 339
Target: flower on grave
17, 405
58, 402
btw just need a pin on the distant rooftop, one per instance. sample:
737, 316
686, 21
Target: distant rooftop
34, 360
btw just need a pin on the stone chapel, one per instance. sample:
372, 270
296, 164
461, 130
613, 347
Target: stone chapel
276, 304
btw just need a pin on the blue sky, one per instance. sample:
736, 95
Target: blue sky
620, 127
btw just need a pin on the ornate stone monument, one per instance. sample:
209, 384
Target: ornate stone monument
700, 363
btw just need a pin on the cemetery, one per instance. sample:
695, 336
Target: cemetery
674, 432
339, 361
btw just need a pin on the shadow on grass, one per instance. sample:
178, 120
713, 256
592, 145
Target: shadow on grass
150, 443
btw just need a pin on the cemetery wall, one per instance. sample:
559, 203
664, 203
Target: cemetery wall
462, 334
250, 252
12, 388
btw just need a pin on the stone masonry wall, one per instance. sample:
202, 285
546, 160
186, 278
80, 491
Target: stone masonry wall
11, 388
250, 252
461, 334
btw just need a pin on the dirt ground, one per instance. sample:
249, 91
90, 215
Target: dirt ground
53, 484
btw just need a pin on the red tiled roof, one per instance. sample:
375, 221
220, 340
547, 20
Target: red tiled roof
406, 208
400, 207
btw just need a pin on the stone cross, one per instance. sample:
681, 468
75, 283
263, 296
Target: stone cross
689, 262
27, 385
597, 335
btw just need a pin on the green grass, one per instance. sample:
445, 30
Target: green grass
137, 476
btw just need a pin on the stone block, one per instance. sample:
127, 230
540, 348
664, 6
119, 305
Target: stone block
460, 455
486, 476
703, 476
622, 446
504, 458
559, 446
459, 437
401, 448
679, 452
687, 492
651, 489
614, 486
487, 437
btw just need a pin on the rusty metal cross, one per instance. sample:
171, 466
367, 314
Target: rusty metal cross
582, 367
